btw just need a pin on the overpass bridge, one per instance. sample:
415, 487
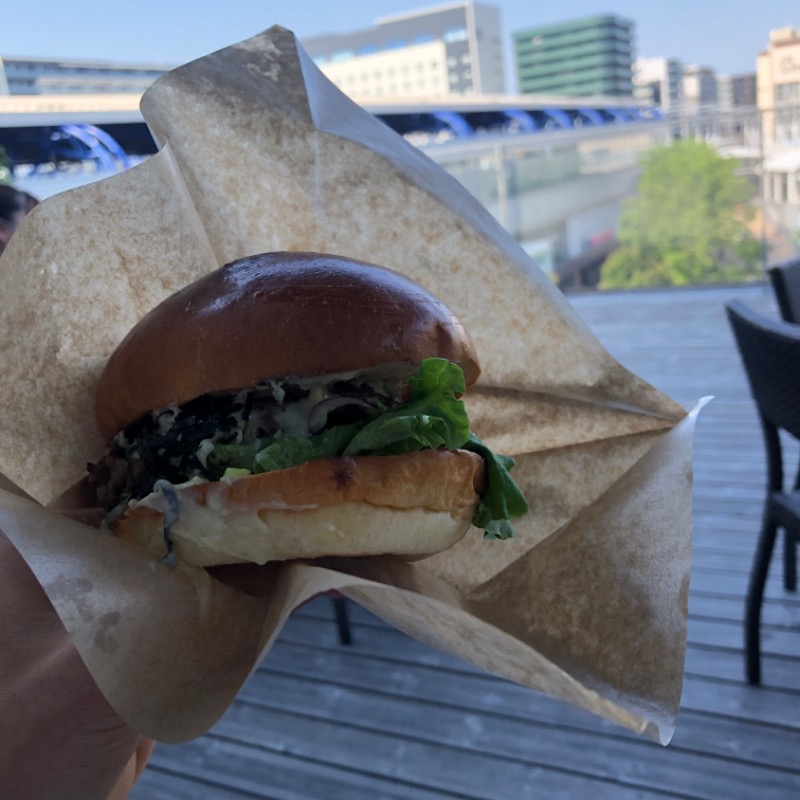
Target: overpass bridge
553, 171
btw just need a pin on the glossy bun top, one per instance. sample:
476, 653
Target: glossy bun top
272, 316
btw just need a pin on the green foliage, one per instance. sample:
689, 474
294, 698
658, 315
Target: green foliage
432, 417
687, 224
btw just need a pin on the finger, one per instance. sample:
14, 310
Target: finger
59, 737
133, 769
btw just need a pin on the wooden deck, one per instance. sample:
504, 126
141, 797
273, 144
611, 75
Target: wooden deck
390, 718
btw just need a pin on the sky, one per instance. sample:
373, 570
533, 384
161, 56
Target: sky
725, 35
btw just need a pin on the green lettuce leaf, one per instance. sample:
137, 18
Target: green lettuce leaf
433, 417
233, 456
289, 451
502, 500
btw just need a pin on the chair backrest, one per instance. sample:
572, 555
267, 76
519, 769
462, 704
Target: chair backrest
785, 279
770, 351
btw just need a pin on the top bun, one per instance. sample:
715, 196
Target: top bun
272, 316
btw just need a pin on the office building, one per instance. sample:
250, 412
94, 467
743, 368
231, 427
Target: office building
446, 50
699, 86
590, 56
736, 91
22, 75
659, 81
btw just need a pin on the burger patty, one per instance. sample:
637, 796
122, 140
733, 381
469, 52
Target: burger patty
174, 443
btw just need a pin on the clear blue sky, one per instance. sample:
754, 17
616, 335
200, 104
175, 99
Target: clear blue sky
723, 34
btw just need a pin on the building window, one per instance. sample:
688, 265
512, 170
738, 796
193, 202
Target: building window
423, 38
367, 49
455, 35
786, 92
396, 44
342, 55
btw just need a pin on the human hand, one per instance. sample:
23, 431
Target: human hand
59, 737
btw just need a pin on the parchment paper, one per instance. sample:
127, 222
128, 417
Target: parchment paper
259, 152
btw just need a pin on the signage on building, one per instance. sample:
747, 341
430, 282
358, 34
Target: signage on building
787, 65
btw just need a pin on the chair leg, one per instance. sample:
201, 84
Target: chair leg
342, 620
755, 595
789, 560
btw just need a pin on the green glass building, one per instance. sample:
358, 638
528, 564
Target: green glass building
590, 56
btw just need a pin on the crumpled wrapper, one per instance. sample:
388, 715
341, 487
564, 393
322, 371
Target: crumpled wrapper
260, 152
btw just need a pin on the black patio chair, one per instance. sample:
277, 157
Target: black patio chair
785, 280
770, 351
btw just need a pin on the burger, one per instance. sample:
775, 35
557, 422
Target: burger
296, 405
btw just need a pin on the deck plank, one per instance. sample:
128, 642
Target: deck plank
389, 717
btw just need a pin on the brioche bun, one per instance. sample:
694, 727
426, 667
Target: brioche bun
275, 315
409, 505
293, 315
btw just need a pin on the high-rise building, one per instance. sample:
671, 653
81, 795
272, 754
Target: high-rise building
590, 56
24, 75
699, 86
445, 50
658, 81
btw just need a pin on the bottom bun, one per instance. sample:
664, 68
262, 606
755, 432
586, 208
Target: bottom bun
411, 505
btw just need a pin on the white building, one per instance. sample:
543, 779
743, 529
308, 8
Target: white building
659, 81
699, 86
446, 50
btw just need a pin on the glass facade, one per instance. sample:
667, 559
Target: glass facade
57, 76
469, 33
592, 56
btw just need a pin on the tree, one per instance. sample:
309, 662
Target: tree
687, 224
